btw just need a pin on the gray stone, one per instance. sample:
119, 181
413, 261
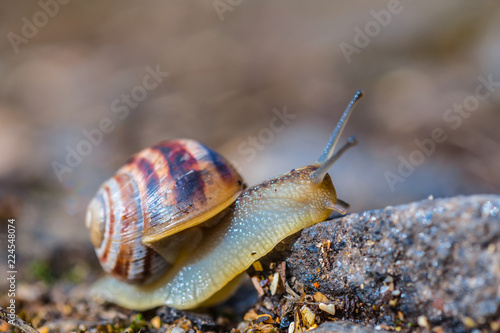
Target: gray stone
435, 259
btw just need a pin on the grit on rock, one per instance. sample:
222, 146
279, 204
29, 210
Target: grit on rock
429, 265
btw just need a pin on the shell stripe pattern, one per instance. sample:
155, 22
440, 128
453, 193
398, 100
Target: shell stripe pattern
122, 254
108, 213
168, 179
157, 187
181, 177
185, 170
221, 165
145, 262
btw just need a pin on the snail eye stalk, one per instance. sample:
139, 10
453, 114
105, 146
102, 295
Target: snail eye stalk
327, 159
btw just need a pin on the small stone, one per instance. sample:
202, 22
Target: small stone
243, 326
156, 322
422, 321
66, 309
258, 287
469, 322
319, 297
328, 308
178, 329
495, 326
274, 283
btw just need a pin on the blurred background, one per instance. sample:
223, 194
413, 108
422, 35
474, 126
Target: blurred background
84, 85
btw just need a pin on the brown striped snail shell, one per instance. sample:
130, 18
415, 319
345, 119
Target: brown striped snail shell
161, 191
175, 225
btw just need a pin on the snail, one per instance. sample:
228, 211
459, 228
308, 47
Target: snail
175, 225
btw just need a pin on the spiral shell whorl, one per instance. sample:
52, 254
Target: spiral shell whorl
161, 188
121, 251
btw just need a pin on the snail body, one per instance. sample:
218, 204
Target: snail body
189, 263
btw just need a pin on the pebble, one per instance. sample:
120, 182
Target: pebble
274, 283
422, 322
156, 322
329, 308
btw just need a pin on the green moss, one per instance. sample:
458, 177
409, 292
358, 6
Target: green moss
40, 270
138, 322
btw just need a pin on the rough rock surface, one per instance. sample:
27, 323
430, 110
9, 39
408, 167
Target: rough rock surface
433, 265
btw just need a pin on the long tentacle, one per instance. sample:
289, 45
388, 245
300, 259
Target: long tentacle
328, 157
334, 138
